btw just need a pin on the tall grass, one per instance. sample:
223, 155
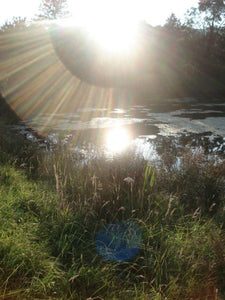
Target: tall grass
50, 221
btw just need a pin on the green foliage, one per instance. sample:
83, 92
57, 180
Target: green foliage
24, 257
47, 233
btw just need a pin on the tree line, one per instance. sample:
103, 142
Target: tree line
189, 53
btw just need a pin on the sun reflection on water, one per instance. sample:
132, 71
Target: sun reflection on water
117, 140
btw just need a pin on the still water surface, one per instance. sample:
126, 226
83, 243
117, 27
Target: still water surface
149, 128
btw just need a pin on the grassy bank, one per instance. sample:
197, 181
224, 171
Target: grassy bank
53, 213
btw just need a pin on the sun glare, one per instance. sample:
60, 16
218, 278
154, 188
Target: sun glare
112, 24
118, 37
117, 140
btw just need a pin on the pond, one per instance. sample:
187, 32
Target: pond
151, 129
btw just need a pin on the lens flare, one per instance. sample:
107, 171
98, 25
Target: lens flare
119, 241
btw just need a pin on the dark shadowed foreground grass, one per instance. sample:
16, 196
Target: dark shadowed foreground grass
51, 214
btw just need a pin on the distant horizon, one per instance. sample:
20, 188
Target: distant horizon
155, 14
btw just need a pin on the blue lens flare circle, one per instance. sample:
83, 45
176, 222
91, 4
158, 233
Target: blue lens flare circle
118, 241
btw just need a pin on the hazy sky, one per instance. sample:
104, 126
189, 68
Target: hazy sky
155, 12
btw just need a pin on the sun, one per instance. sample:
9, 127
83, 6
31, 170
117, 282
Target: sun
116, 37
112, 24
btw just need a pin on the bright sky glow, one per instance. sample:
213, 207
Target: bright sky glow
15, 8
113, 25
154, 12
117, 38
